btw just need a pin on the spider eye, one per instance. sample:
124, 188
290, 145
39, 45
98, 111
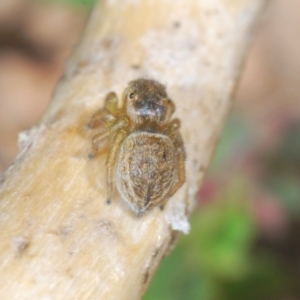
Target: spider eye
131, 96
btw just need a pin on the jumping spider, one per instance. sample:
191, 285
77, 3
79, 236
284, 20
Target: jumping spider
146, 152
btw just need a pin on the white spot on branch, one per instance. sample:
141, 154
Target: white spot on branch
26, 139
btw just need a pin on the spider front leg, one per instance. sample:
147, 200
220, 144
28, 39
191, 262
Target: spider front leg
106, 119
106, 115
119, 135
111, 160
173, 132
99, 138
119, 124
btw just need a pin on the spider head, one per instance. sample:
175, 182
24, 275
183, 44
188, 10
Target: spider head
147, 101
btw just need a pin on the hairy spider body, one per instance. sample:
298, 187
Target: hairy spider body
146, 154
146, 174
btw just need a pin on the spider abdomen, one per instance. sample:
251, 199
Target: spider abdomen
146, 170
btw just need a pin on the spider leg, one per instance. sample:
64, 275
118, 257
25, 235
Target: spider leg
101, 118
119, 124
111, 103
173, 132
99, 138
107, 115
111, 160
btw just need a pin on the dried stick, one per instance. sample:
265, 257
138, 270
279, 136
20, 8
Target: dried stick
59, 238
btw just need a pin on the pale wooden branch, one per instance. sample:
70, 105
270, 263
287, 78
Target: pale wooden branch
59, 238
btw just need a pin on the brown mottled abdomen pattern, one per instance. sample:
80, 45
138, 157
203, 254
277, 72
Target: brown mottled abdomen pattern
146, 170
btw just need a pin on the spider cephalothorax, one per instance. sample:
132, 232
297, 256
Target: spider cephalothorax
147, 102
146, 154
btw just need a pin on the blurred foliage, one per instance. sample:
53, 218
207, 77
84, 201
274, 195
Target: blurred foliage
224, 230
215, 261
83, 3
236, 139
282, 170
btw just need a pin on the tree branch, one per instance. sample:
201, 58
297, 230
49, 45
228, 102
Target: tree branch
59, 238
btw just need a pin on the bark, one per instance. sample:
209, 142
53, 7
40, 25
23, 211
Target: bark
59, 238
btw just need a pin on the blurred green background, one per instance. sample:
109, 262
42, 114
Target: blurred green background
244, 241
